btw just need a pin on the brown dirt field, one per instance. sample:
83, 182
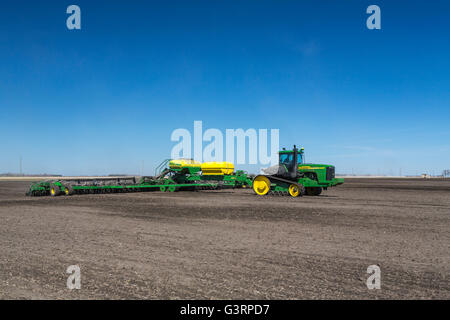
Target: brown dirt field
229, 244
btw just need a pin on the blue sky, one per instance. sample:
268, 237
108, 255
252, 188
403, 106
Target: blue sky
105, 98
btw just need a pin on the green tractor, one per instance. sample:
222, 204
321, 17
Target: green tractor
293, 176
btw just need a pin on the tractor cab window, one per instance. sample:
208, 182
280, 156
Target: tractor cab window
299, 158
286, 158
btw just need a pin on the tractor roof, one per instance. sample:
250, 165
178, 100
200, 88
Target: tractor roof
290, 151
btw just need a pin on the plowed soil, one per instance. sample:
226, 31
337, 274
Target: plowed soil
229, 244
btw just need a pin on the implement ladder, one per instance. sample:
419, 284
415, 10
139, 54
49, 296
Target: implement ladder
161, 167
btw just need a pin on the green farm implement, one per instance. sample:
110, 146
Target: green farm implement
170, 176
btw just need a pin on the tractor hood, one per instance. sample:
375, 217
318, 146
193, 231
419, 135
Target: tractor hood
312, 166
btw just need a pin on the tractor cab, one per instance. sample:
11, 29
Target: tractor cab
289, 160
